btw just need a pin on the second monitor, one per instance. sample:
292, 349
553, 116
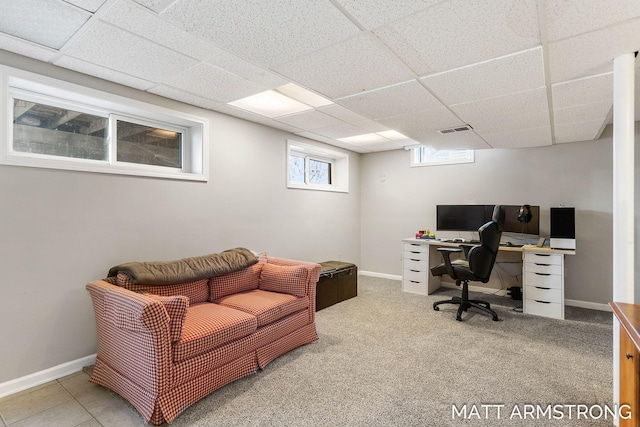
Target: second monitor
521, 219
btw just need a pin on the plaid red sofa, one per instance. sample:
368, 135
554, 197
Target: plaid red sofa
164, 347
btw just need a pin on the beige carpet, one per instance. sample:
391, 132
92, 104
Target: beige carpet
385, 358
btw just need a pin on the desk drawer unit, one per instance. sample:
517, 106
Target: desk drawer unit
543, 291
415, 268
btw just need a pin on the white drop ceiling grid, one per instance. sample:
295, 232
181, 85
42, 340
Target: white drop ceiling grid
521, 73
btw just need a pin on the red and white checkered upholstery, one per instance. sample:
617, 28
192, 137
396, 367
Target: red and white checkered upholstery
287, 279
197, 291
145, 358
266, 306
208, 326
176, 307
238, 281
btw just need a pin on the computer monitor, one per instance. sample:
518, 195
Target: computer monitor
513, 225
460, 217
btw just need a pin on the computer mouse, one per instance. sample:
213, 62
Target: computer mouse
509, 244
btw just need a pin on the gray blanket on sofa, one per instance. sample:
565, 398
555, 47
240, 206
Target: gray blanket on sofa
187, 269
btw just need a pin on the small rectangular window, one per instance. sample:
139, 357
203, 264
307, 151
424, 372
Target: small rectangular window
148, 145
313, 167
426, 156
319, 172
57, 131
60, 125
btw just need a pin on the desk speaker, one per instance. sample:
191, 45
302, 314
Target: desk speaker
563, 228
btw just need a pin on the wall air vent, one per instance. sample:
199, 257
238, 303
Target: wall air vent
456, 129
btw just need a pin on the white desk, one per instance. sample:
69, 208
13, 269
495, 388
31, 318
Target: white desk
542, 272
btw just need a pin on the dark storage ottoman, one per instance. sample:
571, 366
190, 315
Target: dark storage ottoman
338, 282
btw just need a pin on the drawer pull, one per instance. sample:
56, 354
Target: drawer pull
414, 252
415, 271
543, 274
542, 254
542, 302
545, 265
629, 356
411, 259
414, 244
540, 287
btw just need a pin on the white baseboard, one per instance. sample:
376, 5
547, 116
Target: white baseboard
381, 275
587, 304
37, 378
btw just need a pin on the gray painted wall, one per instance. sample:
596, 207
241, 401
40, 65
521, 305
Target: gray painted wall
398, 200
60, 230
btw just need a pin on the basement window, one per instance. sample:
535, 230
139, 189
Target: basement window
312, 167
58, 125
426, 156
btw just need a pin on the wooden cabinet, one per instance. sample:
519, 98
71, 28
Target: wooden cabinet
629, 317
543, 290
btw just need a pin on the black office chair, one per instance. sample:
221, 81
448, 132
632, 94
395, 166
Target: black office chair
476, 266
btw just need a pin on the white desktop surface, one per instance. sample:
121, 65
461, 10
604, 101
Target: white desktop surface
525, 248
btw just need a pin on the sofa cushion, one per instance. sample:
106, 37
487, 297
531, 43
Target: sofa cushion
287, 279
176, 307
232, 283
266, 306
208, 326
197, 291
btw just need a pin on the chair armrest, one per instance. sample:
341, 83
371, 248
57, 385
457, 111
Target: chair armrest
446, 256
467, 247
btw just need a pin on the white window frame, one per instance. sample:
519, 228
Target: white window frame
339, 166
424, 156
49, 91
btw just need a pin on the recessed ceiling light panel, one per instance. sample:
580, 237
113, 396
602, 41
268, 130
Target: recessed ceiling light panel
270, 104
303, 95
364, 139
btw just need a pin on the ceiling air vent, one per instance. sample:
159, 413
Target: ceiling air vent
456, 129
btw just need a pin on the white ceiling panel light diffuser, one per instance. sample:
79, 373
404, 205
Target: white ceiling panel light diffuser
369, 138
280, 101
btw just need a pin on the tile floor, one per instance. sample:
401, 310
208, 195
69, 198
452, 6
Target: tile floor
67, 402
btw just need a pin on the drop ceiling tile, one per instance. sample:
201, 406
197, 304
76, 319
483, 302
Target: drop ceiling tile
25, 48
583, 91
596, 111
458, 32
577, 131
155, 5
351, 66
342, 113
371, 126
182, 96
501, 76
114, 48
528, 109
249, 71
282, 126
143, 22
340, 131
102, 72
536, 137
341, 144
373, 13
567, 18
382, 146
393, 100
266, 32
211, 82
423, 127
241, 114
49, 23
592, 53
310, 120
90, 5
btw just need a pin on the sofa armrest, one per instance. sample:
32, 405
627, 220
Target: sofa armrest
313, 269
133, 335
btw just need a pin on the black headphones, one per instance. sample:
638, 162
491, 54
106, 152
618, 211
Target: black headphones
524, 214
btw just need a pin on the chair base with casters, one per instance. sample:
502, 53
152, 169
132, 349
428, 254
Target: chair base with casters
464, 302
